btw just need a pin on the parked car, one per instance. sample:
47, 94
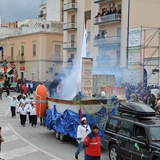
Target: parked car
133, 134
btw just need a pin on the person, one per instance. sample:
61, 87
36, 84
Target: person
158, 108
1, 92
82, 131
13, 102
93, 145
33, 115
1, 139
22, 110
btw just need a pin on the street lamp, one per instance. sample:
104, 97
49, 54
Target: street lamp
127, 34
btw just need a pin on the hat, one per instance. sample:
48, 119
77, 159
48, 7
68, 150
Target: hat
84, 118
14, 96
95, 127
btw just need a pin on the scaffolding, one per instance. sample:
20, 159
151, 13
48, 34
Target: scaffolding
150, 55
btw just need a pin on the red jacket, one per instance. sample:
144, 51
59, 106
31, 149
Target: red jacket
93, 143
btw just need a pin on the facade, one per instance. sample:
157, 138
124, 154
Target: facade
36, 56
107, 23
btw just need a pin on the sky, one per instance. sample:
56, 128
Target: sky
16, 10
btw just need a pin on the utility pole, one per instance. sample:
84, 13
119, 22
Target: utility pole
128, 34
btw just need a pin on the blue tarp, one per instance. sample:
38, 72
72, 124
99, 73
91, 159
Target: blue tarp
67, 122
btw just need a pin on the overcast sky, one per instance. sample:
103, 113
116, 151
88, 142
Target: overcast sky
13, 10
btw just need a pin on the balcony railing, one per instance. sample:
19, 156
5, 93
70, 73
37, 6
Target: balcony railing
70, 46
102, 1
57, 57
70, 26
70, 6
20, 58
107, 63
108, 41
10, 59
107, 19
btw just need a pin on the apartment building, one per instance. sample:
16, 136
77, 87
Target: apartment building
36, 56
52, 10
107, 23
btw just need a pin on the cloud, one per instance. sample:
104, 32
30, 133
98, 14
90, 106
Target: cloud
13, 10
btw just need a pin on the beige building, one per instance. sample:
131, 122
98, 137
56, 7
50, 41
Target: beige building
107, 23
37, 56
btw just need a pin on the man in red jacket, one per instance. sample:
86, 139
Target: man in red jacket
93, 144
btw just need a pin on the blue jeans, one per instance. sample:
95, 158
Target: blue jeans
80, 147
92, 158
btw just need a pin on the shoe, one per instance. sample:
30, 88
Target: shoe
76, 156
24, 125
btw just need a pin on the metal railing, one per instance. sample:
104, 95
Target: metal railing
107, 40
70, 6
107, 18
20, 58
70, 25
57, 57
98, 1
70, 45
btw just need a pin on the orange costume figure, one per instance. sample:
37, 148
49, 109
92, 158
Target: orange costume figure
4, 64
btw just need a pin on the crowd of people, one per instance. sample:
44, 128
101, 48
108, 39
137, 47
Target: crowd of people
143, 94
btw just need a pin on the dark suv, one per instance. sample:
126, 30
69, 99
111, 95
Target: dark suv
133, 134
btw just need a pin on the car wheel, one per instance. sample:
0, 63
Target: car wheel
62, 137
114, 153
57, 135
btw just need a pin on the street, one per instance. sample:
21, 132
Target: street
33, 143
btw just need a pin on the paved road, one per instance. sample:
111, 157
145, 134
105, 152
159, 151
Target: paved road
32, 143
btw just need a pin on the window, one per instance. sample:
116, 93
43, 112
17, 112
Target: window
47, 26
12, 51
42, 25
22, 50
125, 128
34, 49
88, 15
57, 49
73, 18
139, 131
112, 124
88, 36
72, 38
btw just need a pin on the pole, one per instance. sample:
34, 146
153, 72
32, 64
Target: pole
127, 34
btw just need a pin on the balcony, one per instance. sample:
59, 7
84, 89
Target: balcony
67, 64
42, 16
20, 58
102, 1
57, 58
10, 59
69, 46
112, 18
69, 7
107, 63
110, 43
70, 26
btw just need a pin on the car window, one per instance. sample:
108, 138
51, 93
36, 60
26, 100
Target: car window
154, 132
125, 128
139, 131
112, 124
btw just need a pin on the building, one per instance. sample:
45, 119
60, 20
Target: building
107, 23
36, 56
52, 10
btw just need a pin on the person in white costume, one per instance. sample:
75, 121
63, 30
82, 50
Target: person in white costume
82, 131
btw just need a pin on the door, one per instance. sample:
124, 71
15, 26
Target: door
124, 134
138, 143
22, 75
72, 40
